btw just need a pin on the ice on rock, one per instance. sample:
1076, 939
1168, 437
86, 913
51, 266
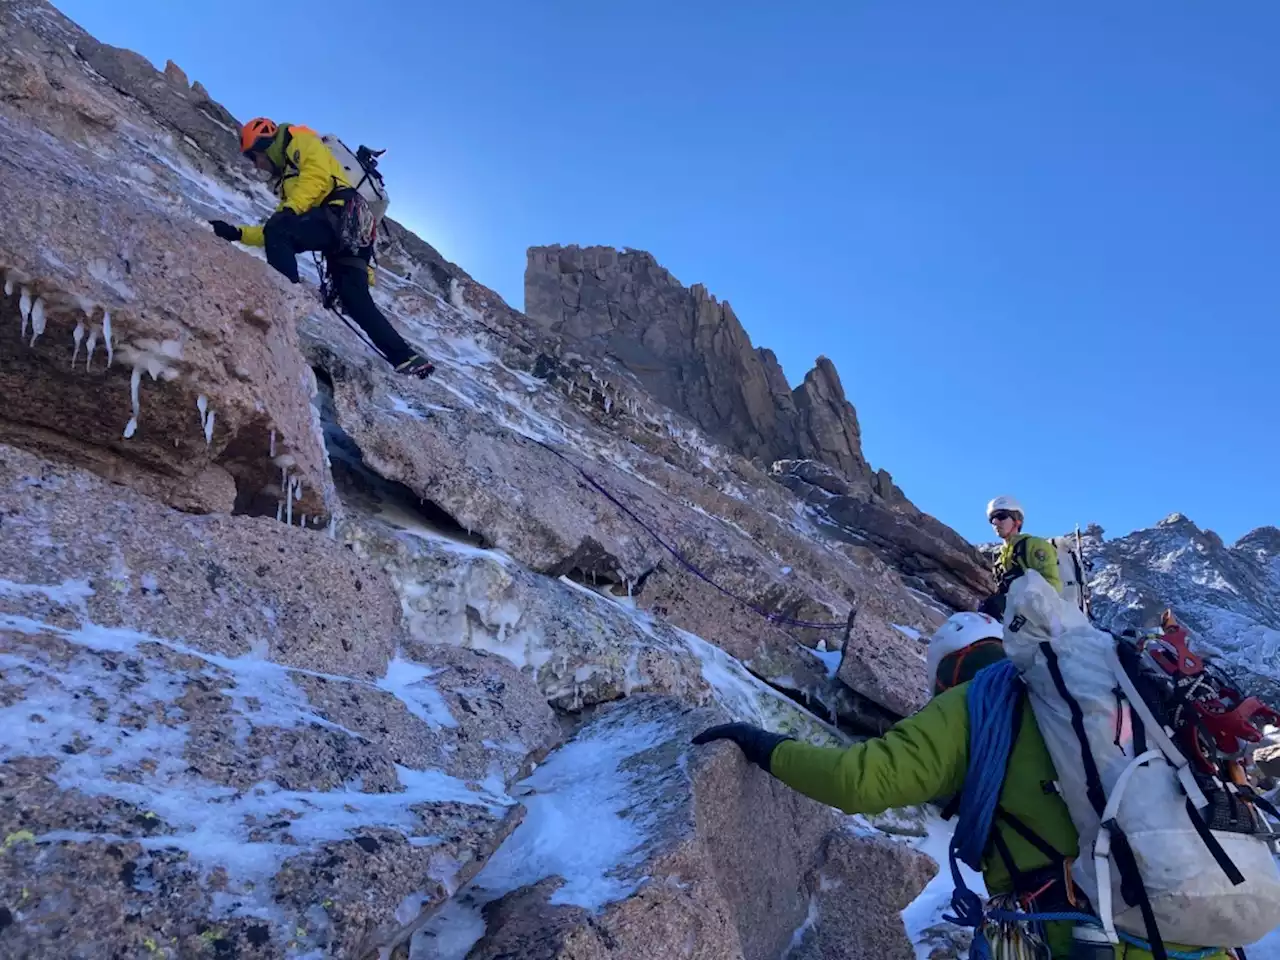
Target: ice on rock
77, 335
135, 381
24, 307
206, 418
93, 342
158, 358
37, 320
106, 337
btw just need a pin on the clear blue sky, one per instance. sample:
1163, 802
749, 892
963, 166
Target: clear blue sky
1038, 240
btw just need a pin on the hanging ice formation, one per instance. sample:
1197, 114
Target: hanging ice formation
24, 308
77, 335
135, 380
206, 418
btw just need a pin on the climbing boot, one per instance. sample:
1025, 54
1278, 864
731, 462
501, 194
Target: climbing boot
417, 366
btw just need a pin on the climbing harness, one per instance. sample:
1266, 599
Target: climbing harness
329, 299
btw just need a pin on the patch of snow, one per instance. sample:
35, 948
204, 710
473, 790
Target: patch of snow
69, 593
579, 792
399, 405
830, 659
935, 899
407, 681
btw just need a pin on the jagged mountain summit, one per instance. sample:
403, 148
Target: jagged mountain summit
1229, 596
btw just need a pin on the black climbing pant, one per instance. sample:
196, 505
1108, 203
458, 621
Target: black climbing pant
286, 237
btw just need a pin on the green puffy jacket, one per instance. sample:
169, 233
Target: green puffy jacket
924, 758
1025, 552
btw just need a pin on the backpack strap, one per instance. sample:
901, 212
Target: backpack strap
1020, 550
1054, 856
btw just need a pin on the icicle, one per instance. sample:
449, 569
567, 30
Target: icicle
288, 509
304, 521
271, 452
77, 335
37, 320
106, 338
202, 404
24, 307
93, 342
333, 528
8, 284
134, 382
208, 428
279, 510
608, 404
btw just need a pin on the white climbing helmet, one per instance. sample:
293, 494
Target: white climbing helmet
1005, 503
961, 630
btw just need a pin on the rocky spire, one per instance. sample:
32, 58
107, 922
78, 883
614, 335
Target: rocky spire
690, 350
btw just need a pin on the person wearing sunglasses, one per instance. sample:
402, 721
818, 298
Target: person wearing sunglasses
1021, 552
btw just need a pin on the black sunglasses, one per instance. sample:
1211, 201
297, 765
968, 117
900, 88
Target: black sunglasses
1001, 515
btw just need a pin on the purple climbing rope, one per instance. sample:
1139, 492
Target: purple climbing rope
684, 561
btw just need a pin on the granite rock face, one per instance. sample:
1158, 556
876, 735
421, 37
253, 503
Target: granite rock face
206, 713
691, 352
299, 658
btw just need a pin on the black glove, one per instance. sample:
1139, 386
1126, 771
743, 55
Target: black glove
756, 744
225, 230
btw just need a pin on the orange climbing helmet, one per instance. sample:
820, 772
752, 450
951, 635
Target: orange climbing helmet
256, 134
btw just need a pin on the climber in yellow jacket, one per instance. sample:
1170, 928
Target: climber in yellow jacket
1021, 552
320, 211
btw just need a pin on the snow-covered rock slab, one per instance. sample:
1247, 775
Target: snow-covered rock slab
218, 739
637, 844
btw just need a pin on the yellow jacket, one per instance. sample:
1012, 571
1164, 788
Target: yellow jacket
310, 172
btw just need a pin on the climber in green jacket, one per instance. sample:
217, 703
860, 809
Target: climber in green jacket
924, 758
1021, 552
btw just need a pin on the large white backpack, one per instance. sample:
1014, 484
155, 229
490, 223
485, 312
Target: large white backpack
362, 171
1166, 852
